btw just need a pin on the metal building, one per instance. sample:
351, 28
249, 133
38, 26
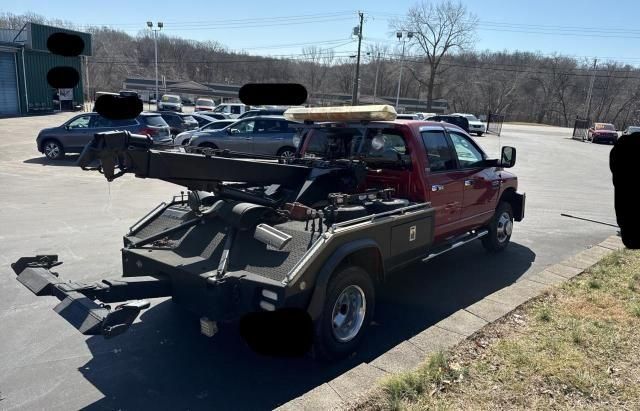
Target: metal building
24, 64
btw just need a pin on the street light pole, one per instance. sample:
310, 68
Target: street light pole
375, 82
402, 36
155, 43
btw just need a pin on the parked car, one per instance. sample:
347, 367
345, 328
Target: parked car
475, 125
263, 112
206, 117
170, 102
211, 114
269, 135
187, 102
204, 104
233, 110
631, 130
74, 134
423, 116
459, 121
408, 117
179, 122
183, 138
600, 132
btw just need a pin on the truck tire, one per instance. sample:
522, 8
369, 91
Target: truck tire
347, 312
208, 145
500, 229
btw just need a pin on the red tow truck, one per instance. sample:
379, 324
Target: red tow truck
317, 233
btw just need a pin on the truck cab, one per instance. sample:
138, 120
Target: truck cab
426, 161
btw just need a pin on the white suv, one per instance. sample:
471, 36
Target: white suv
475, 126
170, 102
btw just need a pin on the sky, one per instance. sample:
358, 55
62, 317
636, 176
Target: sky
584, 29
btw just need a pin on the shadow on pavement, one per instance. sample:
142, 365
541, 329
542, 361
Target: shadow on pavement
68, 160
163, 362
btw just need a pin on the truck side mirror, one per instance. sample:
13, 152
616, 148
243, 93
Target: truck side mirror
508, 157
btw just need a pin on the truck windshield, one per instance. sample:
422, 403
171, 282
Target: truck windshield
204, 103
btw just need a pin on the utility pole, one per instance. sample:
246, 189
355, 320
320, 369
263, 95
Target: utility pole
86, 70
402, 36
375, 83
354, 98
155, 43
587, 105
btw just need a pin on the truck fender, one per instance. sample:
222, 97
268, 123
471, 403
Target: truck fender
331, 264
516, 200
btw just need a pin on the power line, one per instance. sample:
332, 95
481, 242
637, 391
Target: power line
233, 21
277, 46
253, 26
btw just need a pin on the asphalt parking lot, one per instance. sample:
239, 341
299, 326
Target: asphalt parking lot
163, 361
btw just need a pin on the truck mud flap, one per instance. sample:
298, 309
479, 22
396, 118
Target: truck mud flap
77, 304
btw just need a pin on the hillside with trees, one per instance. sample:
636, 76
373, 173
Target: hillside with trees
522, 85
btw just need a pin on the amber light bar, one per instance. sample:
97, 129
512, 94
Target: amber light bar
379, 112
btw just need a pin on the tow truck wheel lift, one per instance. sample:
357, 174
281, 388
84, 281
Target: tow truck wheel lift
77, 304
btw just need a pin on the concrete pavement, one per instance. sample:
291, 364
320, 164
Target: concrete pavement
164, 362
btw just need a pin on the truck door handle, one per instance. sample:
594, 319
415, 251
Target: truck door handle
468, 183
437, 187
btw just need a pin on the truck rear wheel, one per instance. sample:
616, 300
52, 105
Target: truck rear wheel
500, 229
347, 312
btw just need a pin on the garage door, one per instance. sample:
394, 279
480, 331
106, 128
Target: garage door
8, 84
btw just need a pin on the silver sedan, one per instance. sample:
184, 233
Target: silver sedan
183, 138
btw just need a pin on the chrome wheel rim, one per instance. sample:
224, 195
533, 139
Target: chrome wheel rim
348, 313
287, 154
52, 150
504, 227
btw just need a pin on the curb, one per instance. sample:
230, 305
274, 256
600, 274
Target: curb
343, 390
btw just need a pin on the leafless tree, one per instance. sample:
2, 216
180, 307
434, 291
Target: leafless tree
438, 30
315, 64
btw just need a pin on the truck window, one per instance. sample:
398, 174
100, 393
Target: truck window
235, 109
468, 154
439, 153
386, 156
332, 142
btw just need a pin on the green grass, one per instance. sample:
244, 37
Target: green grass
578, 348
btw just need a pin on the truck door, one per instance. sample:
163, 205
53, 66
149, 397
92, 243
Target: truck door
386, 168
479, 187
445, 187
